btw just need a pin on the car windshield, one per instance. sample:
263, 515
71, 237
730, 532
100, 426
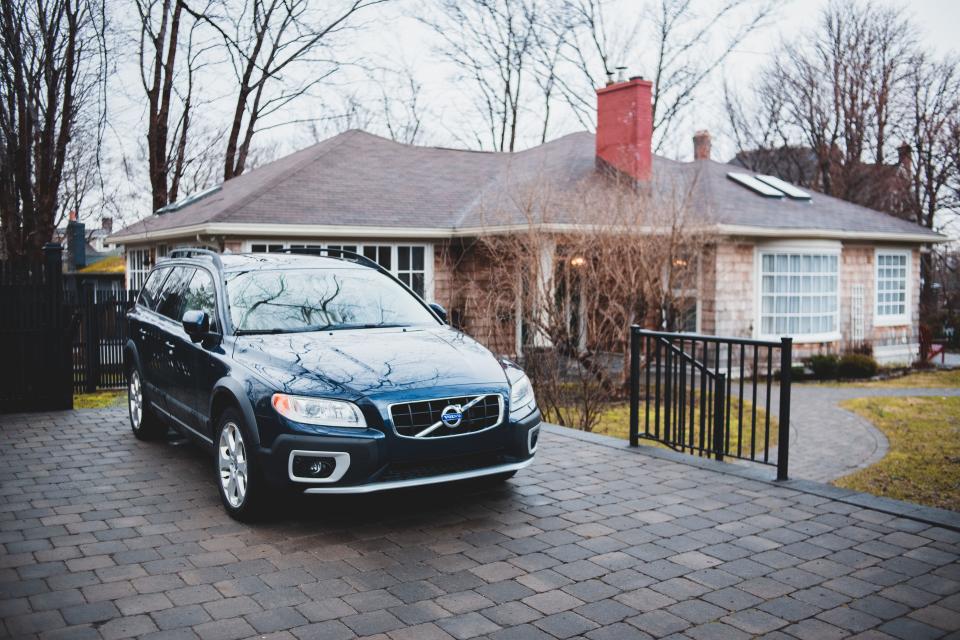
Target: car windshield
291, 300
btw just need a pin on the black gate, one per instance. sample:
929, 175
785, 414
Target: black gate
100, 331
701, 395
34, 335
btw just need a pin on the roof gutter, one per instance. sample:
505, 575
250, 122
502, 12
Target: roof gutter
259, 230
830, 234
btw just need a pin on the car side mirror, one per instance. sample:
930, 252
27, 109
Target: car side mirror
440, 311
197, 324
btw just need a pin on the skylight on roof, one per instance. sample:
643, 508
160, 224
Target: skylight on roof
753, 184
794, 193
180, 204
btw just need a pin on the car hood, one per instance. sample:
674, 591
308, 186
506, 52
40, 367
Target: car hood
368, 361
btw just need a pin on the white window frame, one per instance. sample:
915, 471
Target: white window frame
138, 266
428, 255
812, 248
898, 319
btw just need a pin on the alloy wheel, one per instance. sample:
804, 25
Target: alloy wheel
135, 398
232, 454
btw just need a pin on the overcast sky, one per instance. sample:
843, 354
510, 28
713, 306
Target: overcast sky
391, 36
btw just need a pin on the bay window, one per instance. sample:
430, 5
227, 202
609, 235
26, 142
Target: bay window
799, 293
893, 268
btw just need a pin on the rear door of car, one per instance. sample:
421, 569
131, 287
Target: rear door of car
144, 332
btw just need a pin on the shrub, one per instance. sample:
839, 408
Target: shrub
857, 365
864, 348
824, 366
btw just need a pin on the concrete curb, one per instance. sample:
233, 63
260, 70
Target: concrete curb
928, 515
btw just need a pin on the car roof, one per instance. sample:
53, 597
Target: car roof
233, 262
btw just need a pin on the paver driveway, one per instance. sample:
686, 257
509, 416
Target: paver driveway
105, 536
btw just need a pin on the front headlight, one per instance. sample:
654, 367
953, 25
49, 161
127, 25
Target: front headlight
319, 411
522, 400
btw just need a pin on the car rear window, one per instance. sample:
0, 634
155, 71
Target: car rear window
320, 299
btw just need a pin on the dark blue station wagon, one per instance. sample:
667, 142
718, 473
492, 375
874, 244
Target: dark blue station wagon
322, 374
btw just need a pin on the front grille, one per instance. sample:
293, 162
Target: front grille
411, 418
415, 470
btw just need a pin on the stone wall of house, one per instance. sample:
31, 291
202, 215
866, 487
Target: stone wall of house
890, 343
463, 280
734, 283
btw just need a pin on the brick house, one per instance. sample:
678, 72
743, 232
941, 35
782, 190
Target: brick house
780, 261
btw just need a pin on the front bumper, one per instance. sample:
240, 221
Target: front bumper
373, 460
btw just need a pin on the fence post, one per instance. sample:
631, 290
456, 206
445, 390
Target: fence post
786, 371
59, 336
635, 385
719, 403
91, 339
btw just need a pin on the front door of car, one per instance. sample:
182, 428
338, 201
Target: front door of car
176, 354
204, 356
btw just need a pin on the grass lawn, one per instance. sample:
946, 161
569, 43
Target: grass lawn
615, 421
98, 400
923, 463
919, 379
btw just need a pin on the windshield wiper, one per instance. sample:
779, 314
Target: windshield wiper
329, 327
260, 332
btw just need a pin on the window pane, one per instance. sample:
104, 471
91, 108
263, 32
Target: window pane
318, 299
201, 296
171, 296
805, 288
148, 295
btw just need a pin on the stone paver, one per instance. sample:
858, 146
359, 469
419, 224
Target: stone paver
103, 536
827, 442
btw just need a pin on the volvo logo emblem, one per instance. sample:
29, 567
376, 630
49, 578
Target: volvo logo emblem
452, 415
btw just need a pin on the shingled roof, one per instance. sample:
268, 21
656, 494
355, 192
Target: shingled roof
361, 181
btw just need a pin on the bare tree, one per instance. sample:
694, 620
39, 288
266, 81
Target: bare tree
832, 91
171, 51
267, 41
688, 45
52, 69
491, 43
573, 286
389, 103
929, 127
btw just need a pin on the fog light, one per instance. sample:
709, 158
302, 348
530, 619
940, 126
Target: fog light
313, 467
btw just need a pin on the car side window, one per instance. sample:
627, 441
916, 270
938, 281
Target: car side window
171, 296
201, 295
148, 294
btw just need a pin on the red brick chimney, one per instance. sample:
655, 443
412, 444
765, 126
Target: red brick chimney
625, 127
701, 145
905, 158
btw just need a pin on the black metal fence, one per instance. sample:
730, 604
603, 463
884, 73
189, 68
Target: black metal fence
99, 333
34, 335
711, 396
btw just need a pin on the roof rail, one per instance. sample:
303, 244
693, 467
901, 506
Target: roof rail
338, 254
191, 252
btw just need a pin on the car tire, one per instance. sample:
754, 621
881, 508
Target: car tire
239, 479
143, 421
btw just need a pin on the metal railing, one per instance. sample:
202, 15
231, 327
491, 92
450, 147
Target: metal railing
711, 396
